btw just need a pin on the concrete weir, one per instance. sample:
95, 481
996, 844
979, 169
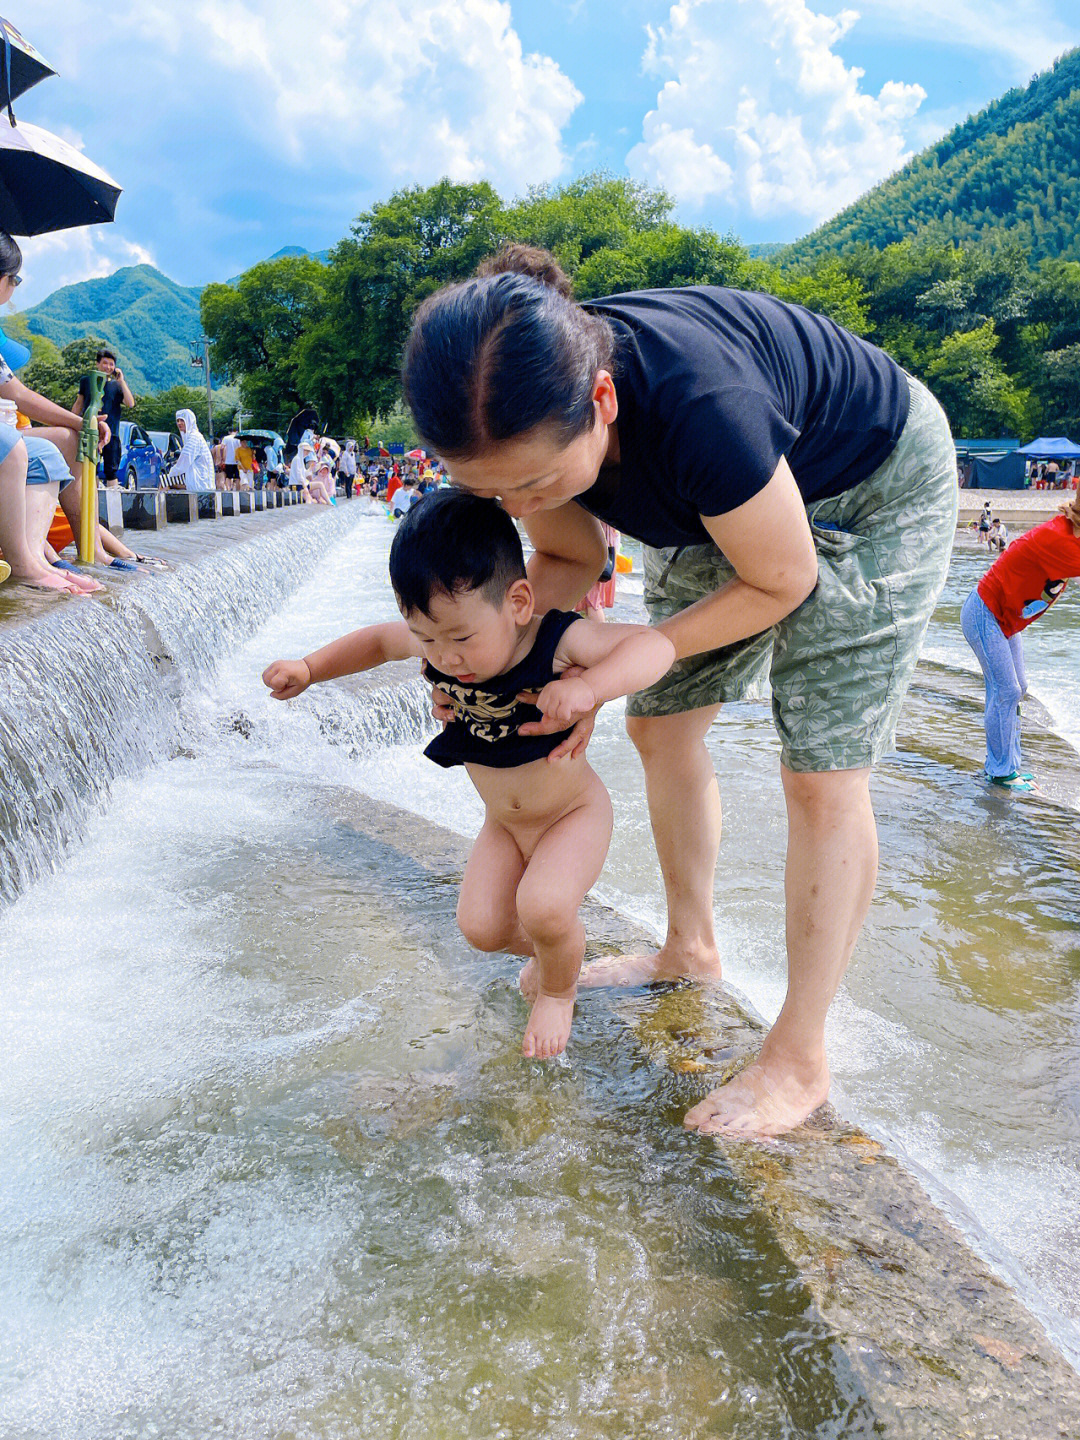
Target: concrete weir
938, 1345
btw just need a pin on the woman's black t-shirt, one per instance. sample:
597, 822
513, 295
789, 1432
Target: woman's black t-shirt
715, 386
485, 731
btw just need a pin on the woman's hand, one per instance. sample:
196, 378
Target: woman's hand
287, 678
442, 706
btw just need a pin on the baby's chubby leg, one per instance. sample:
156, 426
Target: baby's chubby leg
486, 912
565, 863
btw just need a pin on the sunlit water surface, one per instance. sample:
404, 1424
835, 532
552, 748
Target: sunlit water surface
269, 1161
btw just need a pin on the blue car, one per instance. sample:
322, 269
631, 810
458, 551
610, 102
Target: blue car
140, 459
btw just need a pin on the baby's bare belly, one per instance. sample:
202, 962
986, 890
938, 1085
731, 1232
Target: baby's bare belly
532, 797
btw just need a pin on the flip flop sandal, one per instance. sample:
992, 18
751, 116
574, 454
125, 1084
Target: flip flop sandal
63, 565
119, 564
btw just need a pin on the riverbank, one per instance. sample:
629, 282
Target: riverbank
1019, 509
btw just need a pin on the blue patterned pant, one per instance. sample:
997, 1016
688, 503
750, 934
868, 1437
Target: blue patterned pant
1002, 662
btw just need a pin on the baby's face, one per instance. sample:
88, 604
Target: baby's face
469, 638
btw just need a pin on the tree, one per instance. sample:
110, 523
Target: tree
399, 252
976, 390
256, 327
158, 411
828, 288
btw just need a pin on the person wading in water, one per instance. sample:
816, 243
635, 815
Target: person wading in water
795, 493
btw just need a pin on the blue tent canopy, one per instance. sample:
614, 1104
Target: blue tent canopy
1051, 447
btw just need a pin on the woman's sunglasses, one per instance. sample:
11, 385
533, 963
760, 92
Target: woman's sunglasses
16, 280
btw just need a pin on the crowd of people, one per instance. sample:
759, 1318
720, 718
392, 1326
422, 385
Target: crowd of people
38, 468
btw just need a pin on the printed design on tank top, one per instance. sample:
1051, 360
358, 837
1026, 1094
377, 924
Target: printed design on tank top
486, 715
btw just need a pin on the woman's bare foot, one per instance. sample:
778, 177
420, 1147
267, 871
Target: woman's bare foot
549, 1027
766, 1099
45, 578
647, 969
83, 583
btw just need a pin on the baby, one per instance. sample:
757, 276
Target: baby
458, 572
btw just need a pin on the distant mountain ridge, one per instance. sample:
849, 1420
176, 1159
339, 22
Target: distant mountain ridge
1010, 173
146, 317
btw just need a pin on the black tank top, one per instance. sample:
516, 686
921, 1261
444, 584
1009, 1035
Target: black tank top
485, 732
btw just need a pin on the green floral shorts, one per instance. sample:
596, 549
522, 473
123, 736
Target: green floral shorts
839, 666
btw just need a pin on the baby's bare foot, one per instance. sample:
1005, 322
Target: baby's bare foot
549, 1028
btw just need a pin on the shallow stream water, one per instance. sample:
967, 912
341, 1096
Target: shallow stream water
270, 1163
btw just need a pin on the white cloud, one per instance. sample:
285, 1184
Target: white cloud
208, 111
759, 108
414, 89
1026, 34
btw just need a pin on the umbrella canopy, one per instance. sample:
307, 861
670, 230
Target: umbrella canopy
20, 64
1051, 447
416, 455
46, 184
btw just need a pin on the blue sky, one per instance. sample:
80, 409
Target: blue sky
240, 126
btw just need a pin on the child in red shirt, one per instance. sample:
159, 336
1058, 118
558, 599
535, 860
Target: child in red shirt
1021, 584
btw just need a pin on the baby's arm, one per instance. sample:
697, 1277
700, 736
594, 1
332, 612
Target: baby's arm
614, 659
361, 650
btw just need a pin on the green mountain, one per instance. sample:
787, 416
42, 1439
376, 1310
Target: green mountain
1009, 174
322, 255
145, 316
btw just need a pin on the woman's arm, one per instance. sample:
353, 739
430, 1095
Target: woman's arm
36, 407
571, 553
768, 543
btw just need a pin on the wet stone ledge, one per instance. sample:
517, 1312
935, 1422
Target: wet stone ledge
935, 1341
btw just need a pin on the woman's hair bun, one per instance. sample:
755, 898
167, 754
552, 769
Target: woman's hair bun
515, 259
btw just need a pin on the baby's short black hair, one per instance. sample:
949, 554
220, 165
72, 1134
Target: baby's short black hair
452, 542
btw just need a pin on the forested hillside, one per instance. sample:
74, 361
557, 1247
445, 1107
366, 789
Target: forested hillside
144, 315
997, 339
1008, 175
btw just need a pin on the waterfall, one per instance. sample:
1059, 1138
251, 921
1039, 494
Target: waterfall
91, 691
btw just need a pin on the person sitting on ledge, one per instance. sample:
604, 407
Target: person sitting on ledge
321, 486
51, 451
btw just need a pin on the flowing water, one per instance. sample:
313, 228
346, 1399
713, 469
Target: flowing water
269, 1161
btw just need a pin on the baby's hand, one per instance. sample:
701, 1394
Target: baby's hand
287, 678
566, 699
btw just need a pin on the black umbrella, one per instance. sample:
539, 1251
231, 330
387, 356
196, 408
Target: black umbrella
20, 64
46, 184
